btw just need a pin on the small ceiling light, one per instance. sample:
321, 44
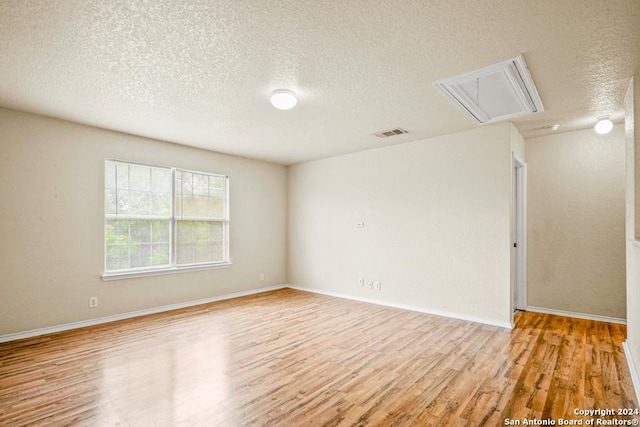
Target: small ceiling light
604, 125
283, 99
553, 127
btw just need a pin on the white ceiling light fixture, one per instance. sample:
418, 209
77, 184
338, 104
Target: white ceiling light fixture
604, 125
497, 92
283, 99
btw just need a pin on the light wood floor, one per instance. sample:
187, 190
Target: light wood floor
290, 358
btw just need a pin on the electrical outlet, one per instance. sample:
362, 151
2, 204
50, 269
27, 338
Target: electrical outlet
370, 285
361, 281
93, 302
377, 285
261, 276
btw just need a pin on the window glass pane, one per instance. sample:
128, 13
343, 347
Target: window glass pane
140, 255
109, 187
132, 189
122, 201
161, 192
160, 242
109, 201
161, 204
200, 207
140, 231
180, 192
217, 192
161, 181
199, 196
117, 257
133, 244
139, 203
200, 185
160, 254
117, 244
199, 241
140, 178
184, 183
109, 175
160, 231
122, 175
217, 184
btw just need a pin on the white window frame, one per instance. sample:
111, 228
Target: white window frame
173, 220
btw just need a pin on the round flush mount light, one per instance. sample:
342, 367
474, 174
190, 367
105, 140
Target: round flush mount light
604, 125
283, 99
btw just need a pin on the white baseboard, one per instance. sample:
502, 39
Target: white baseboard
506, 325
577, 315
91, 322
635, 375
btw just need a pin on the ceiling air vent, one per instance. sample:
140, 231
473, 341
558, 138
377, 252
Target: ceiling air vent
390, 132
497, 92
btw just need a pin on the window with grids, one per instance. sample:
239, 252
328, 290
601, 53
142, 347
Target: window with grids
159, 218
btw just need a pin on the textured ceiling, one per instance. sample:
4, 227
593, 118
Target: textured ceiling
200, 73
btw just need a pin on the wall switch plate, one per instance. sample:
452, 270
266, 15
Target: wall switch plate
361, 281
93, 302
377, 284
370, 285
360, 224
261, 276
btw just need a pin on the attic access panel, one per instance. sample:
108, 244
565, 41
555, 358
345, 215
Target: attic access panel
497, 92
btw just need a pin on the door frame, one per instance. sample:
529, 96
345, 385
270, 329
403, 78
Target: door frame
520, 233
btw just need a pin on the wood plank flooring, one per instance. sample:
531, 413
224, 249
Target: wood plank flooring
290, 358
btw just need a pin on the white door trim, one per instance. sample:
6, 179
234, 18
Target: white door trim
520, 169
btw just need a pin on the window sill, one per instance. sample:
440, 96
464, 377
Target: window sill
106, 277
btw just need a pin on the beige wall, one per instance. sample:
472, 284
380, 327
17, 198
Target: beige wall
576, 260
632, 141
437, 224
51, 224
